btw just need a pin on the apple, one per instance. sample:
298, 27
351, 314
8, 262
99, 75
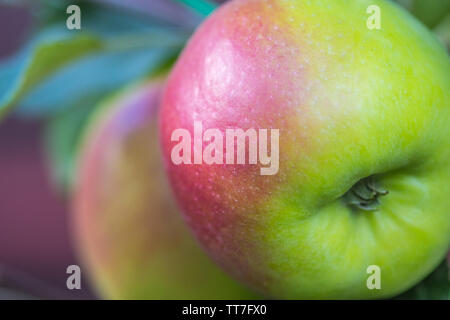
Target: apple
364, 146
131, 240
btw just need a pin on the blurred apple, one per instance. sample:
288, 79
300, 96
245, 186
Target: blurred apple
129, 234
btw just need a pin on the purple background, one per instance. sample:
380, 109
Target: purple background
35, 242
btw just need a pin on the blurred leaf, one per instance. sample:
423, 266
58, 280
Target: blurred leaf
435, 287
167, 10
25, 71
64, 131
204, 7
443, 31
60, 66
430, 12
94, 76
131, 47
61, 138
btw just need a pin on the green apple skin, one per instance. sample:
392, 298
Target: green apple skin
350, 103
130, 237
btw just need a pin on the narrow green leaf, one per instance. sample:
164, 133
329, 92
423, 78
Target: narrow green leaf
61, 139
60, 65
204, 7
99, 73
45, 59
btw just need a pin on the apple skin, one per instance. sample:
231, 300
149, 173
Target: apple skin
129, 235
350, 103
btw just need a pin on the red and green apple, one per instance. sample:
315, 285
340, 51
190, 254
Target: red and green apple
364, 145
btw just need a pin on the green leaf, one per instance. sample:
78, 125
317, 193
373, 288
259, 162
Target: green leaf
45, 58
61, 66
129, 48
170, 11
98, 74
443, 31
435, 287
430, 12
64, 131
204, 7
61, 139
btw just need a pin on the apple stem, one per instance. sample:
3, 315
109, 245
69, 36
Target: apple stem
365, 195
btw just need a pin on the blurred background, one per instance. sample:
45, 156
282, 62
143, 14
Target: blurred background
51, 80
35, 248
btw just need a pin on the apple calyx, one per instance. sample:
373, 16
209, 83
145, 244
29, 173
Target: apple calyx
365, 194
